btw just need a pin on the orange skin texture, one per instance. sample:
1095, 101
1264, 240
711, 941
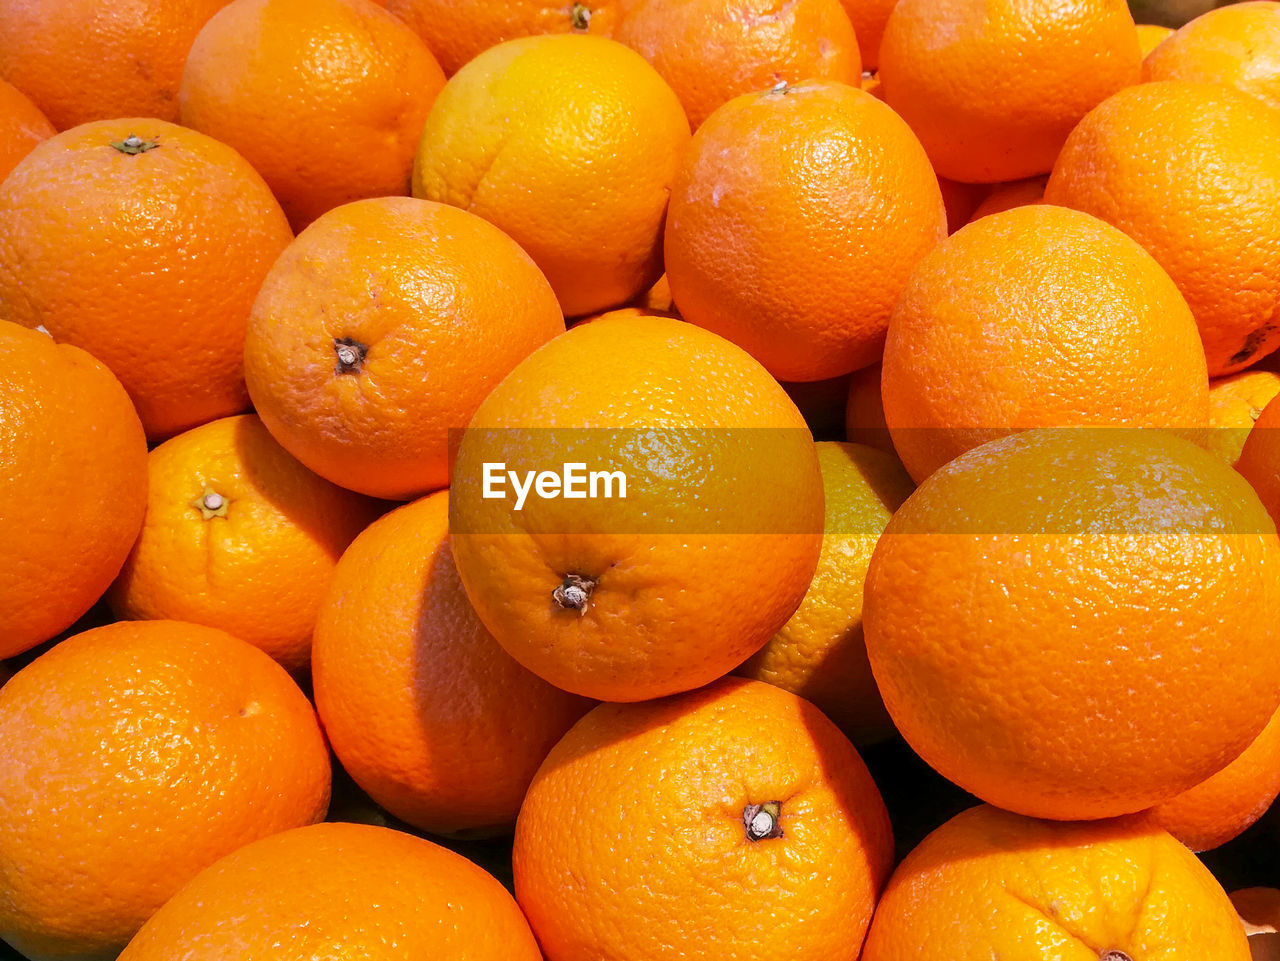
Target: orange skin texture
712, 51
1260, 459
426, 711
1150, 36
993, 87
961, 199
1235, 404
1191, 172
1017, 193
820, 653
424, 287
326, 98
149, 261
1236, 45
83, 60
1041, 610
459, 30
183, 742
869, 18
338, 890
258, 566
569, 144
864, 421
705, 559
631, 844
1036, 317
989, 884
794, 223
22, 126
73, 489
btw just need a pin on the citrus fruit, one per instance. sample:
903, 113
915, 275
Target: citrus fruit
570, 145
1192, 172
132, 756
144, 243
423, 707
338, 890
1006, 196
1260, 458
993, 87
796, 218
1237, 45
1235, 404
864, 411
1041, 610
238, 535
677, 570
381, 328
326, 98
22, 126
1150, 36
735, 816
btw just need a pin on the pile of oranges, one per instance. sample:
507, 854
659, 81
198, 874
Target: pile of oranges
638, 480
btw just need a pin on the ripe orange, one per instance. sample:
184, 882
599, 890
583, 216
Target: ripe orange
869, 18
989, 884
864, 421
1036, 317
1150, 36
711, 51
1006, 196
1041, 610
338, 890
820, 653
131, 757
429, 715
73, 488
1191, 172
569, 144
22, 126
381, 329
239, 536
796, 218
1237, 45
1235, 404
326, 98
703, 560
82, 60
735, 819
144, 243
993, 87
1260, 458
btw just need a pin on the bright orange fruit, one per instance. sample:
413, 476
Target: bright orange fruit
22, 126
1237, 45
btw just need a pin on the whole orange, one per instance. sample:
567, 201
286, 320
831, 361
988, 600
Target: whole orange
1237, 45
1006, 196
22, 126
238, 535
1150, 36
1036, 317
338, 890
132, 756
83, 60
570, 145
735, 819
993, 87
73, 488
989, 884
795, 220
1235, 404
326, 98
1260, 457
426, 711
1192, 172
711, 51
692, 545
869, 18
380, 329
144, 243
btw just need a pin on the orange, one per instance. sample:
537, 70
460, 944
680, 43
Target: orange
423, 707
869, 18
820, 653
1016, 193
73, 488
569, 144
132, 756
961, 200
381, 329
735, 819
1237, 45
1041, 611
82, 60
144, 243
22, 126
988, 884
673, 581
993, 87
864, 411
1260, 458
325, 98
796, 218
338, 890
1191, 172
1150, 36
711, 51
1235, 404
240, 536
1036, 317
458, 30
